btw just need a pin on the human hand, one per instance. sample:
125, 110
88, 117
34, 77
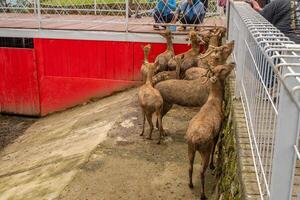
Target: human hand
255, 5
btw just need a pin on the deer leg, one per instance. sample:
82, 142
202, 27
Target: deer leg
149, 119
205, 161
166, 107
160, 128
144, 118
211, 165
191, 154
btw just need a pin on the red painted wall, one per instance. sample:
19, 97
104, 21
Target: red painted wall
71, 71
18, 82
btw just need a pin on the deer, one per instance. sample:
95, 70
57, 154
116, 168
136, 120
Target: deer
144, 67
163, 58
151, 102
203, 130
190, 93
196, 41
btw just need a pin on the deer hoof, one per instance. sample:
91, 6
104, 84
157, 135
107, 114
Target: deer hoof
191, 185
203, 197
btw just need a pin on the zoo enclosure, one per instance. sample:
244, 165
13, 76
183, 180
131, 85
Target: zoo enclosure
113, 12
268, 84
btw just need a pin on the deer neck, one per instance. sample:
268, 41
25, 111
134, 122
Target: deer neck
146, 56
216, 91
195, 46
170, 44
149, 75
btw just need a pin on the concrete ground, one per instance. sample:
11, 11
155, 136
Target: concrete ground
94, 151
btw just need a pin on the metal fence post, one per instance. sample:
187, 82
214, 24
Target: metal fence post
95, 7
285, 138
237, 33
39, 12
127, 14
34, 7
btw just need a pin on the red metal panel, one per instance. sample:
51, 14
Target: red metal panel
119, 60
19, 85
59, 93
89, 59
72, 71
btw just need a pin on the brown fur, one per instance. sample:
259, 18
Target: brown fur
191, 53
194, 73
203, 130
150, 101
213, 37
162, 76
190, 93
163, 58
218, 57
144, 67
209, 58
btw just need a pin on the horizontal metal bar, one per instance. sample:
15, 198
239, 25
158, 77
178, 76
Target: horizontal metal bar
297, 152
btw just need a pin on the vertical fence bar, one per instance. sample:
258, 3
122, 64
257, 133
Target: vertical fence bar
34, 7
95, 7
285, 139
39, 12
274, 126
127, 15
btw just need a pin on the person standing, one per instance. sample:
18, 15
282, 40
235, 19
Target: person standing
284, 15
193, 12
163, 11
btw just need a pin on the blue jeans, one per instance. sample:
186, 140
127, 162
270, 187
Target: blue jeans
159, 18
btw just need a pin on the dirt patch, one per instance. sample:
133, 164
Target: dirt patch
135, 168
11, 127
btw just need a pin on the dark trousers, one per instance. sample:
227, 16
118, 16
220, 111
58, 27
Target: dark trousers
159, 18
205, 2
186, 20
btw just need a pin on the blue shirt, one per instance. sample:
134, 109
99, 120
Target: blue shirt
196, 9
165, 8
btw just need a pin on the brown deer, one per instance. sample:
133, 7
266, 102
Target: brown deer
163, 58
217, 56
196, 41
191, 93
151, 101
144, 67
203, 130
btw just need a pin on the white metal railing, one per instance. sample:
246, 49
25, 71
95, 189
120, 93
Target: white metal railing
268, 83
95, 12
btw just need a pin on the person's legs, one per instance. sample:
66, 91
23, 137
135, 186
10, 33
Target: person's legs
157, 17
205, 2
195, 20
169, 18
183, 20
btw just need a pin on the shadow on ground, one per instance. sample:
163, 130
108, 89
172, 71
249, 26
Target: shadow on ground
127, 166
11, 127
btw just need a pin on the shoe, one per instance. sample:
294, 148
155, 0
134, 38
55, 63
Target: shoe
272, 91
181, 28
155, 27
